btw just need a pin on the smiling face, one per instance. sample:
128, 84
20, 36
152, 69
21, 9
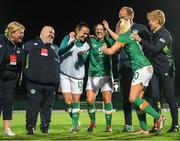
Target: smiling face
17, 36
47, 34
126, 13
82, 34
123, 14
156, 19
153, 24
99, 31
15, 32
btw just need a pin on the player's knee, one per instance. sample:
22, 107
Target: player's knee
68, 100
107, 100
90, 100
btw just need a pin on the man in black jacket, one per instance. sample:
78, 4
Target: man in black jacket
42, 75
124, 66
11, 60
163, 63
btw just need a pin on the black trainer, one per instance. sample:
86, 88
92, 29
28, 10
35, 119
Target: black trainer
173, 129
31, 131
44, 128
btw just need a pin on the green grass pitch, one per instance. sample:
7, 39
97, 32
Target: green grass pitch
61, 123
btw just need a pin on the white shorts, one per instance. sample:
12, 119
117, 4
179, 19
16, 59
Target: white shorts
70, 85
95, 83
143, 76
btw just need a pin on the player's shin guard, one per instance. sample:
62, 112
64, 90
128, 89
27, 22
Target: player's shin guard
91, 112
146, 107
108, 113
75, 115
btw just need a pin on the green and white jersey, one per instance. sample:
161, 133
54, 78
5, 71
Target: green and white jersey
100, 63
134, 51
72, 64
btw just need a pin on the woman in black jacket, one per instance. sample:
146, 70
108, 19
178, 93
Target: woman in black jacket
10, 67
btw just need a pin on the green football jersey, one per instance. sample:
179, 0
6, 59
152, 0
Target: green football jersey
100, 63
134, 51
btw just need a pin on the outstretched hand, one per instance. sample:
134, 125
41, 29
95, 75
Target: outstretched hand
72, 36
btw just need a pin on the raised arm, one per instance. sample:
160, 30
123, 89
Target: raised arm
112, 33
160, 44
64, 46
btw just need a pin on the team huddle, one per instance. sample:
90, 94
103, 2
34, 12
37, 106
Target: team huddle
142, 59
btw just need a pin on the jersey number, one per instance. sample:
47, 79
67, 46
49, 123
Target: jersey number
136, 75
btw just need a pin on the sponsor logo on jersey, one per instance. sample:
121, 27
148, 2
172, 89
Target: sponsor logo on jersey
162, 40
35, 44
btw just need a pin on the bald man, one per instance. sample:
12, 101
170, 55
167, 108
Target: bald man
42, 73
47, 34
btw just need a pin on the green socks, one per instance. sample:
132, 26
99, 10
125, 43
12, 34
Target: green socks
75, 115
108, 113
142, 119
146, 107
91, 112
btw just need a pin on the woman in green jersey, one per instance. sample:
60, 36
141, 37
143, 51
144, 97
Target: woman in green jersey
99, 77
142, 71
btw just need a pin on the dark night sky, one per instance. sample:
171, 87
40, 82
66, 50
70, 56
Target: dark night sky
64, 15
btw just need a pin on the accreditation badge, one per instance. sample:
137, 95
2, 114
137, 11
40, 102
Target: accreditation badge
44, 52
13, 59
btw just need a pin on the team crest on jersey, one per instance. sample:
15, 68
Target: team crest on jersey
94, 45
32, 91
166, 74
53, 47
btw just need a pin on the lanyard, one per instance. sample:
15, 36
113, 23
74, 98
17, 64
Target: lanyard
14, 49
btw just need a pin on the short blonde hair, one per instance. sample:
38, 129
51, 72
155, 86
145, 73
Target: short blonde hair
124, 26
13, 27
157, 15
